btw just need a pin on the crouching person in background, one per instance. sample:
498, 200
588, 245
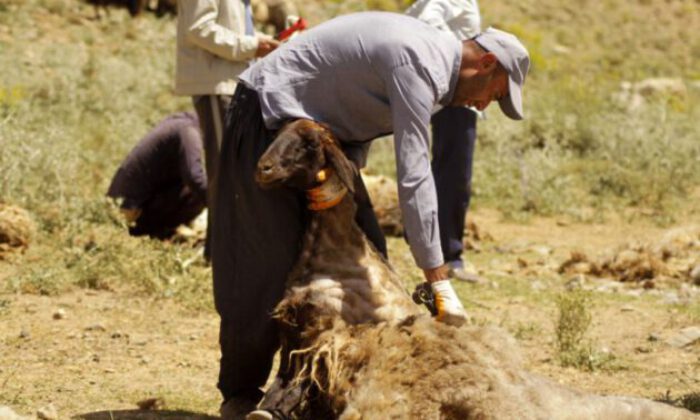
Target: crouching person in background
162, 184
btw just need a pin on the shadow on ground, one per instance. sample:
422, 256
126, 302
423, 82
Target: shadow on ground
143, 415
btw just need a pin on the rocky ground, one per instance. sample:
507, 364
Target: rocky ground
102, 354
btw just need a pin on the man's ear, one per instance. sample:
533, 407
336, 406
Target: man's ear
488, 63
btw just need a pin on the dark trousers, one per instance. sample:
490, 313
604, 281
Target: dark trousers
166, 210
454, 136
211, 111
255, 243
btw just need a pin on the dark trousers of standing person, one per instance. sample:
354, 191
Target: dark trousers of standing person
166, 210
211, 111
454, 137
254, 246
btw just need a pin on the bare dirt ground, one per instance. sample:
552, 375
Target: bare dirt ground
630, 323
97, 354
88, 352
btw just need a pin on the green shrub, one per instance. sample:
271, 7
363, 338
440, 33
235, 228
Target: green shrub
573, 322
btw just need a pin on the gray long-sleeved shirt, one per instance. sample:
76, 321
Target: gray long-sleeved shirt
367, 75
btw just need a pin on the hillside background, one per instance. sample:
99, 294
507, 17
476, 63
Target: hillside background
77, 92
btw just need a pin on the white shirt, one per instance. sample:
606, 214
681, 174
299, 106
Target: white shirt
212, 46
461, 17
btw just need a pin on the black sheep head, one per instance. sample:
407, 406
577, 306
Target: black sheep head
301, 149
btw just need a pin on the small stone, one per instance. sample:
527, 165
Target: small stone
575, 282
634, 292
59, 314
24, 334
653, 337
47, 413
561, 50
151, 403
542, 250
95, 327
685, 337
671, 298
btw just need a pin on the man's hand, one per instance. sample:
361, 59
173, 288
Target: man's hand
265, 47
449, 307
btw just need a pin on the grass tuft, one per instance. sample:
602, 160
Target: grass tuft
572, 326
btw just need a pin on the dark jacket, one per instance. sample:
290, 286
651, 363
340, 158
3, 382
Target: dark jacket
169, 155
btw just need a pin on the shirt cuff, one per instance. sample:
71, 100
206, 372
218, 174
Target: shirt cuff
428, 258
249, 47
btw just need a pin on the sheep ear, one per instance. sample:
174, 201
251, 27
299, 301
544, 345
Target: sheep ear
322, 135
343, 167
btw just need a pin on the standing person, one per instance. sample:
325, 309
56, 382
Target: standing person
215, 41
454, 134
161, 183
364, 75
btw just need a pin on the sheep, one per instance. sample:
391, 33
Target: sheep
355, 346
273, 15
135, 7
339, 272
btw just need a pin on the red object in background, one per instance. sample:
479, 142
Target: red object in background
300, 25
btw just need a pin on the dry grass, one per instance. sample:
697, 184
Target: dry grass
77, 93
67, 119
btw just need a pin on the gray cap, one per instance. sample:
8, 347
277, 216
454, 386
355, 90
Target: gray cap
515, 59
